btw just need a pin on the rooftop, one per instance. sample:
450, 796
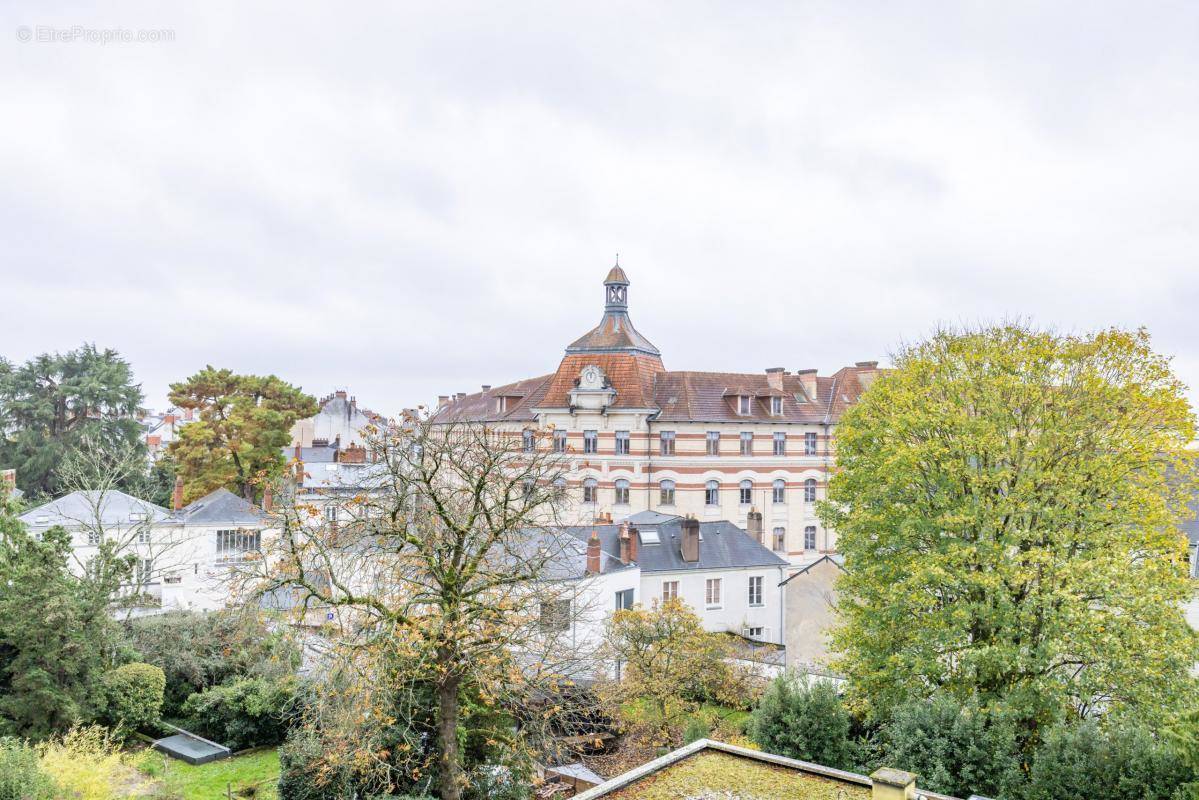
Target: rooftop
706, 769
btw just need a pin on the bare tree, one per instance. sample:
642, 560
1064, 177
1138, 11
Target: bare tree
140, 544
444, 577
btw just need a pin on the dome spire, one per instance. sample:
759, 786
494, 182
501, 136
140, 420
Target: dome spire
615, 333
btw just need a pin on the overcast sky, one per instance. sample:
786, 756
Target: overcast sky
405, 201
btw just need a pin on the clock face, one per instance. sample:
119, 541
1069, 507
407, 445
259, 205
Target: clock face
592, 378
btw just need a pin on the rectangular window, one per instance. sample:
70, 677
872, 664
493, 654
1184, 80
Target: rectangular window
590, 441
622, 443
145, 570
809, 443
530, 441
555, 616
93, 537
780, 443
143, 536
713, 443
776, 406
712, 494
239, 541
666, 493
712, 592
755, 590
747, 492
622, 492
624, 599
747, 443
331, 513
590, 489
778, 492
666, 443
809, 491
670, 590
780, 539
753, 633
809, 538
559, 441
745, 404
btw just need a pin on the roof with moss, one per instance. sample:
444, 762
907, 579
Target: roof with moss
706, 769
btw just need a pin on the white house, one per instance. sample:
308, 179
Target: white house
186, 559
729, 579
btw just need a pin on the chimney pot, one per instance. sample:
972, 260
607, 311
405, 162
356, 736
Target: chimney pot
341, 395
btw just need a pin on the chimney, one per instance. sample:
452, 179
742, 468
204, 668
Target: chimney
593, 553
754, 526
354, 403
625, 547
487, 387
807, 379
690, 544
460, 395
177, 498
774, 378
354, 454
892, 784
443, 400
341, 394
867, 372
268, 500
634, 544
299, 465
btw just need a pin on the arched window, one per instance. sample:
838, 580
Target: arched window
589, 490
809, 490
747, 492
780, 539
622, 492
666, 493
780, 491
712, 493
530, 441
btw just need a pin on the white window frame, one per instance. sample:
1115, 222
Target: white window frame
810, 443
778, 492
747, 443
745, 405
666, 489
776, 406
666, 443
712, 494
745, 494
621, 487
713, 599
529, 440
809, 537
560, 441
779, 537
780, 443
756, 582
590, 488
590, 442
670, 590
622, 443
712, 443
809, 490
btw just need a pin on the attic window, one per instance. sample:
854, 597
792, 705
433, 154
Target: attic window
744, 405
42, 521
799, 398
649, 536
776, 406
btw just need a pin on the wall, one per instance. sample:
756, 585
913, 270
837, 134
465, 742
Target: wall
735, 613
810, 614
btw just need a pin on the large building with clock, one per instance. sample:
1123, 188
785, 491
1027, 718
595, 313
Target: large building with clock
754, 448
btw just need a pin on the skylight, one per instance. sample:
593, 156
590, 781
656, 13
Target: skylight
649, 535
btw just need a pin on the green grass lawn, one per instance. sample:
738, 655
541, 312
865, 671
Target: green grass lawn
209, 781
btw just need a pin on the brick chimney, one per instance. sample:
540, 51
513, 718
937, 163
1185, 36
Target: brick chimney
625, 547
807, 379
867, 372
354, 454
340, 394
774, 378
268, 500
689, 547
177, 497
754, 526
892, 784
299, 465
593, 553
443, 400
634, 544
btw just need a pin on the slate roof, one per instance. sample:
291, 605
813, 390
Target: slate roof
222, 507
116, 509
722, 544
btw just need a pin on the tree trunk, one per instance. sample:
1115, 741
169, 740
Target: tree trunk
451, 778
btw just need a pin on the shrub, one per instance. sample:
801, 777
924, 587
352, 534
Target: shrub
133, 695
955, 750
304, 773
804, 720
695, 729
244, 713
200, 650
21, 778
85, 763
1079, 760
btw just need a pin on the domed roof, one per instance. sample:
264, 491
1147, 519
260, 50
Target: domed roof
616, 275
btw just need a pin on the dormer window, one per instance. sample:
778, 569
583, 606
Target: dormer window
776, 406
744, 405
